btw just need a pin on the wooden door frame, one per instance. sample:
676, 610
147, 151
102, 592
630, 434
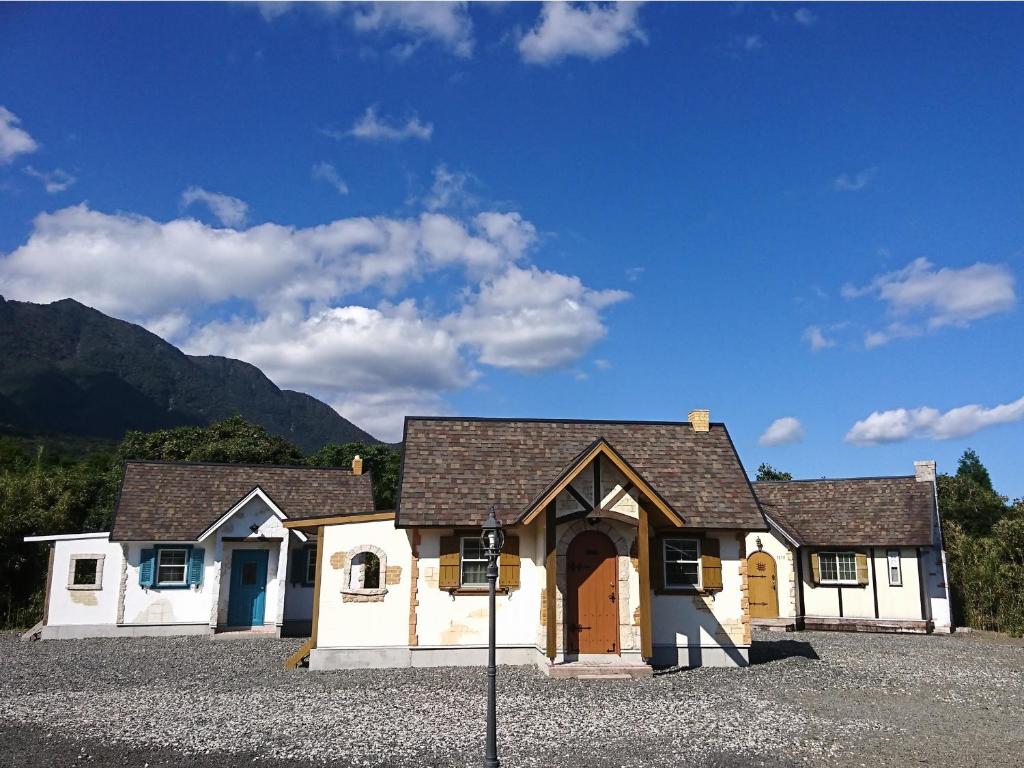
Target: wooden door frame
572, 595
775, 564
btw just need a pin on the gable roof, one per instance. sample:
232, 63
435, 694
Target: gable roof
454, 469
168, 501
861, 511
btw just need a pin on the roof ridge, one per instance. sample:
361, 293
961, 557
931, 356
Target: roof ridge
252, 465
532, 420
833, 479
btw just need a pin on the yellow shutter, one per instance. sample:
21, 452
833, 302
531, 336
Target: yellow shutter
815, 569
657, 568
711, 564
449, 576
508, 572
862, 569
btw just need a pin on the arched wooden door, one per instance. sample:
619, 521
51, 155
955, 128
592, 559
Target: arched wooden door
592, 615
762, 580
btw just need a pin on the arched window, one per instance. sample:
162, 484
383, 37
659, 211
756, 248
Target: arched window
365, 571
364, 580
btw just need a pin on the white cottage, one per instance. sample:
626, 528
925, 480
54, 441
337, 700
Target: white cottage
856, 554
196, 549
625, 548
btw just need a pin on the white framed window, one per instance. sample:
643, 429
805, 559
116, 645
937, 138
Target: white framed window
895, 568
310, 565
838, 567
681, 559
473, 562
171, 566
85, 572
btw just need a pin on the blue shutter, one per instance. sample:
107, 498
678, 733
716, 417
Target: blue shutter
196, 557
147, 564
298, 566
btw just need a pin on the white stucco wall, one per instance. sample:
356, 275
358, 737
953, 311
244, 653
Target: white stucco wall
903, 603
364, 624
156, 605
709, 620
776, 545
84, 606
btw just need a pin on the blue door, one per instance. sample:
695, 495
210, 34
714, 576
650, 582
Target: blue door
248, 596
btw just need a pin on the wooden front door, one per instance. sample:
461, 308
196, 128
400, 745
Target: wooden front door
763, 583
592, 618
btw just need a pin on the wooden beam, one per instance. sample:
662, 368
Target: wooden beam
49, 584
318, 522
304, 650
587, 506
597, 481
624, 468
644, 563
550, 567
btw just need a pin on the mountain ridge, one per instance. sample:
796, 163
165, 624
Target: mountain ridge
66, 368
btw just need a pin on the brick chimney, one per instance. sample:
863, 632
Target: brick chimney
924, 471
357, 465
700, 420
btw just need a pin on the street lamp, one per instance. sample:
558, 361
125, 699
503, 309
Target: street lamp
491, 540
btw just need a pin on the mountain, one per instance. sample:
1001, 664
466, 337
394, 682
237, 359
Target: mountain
67, 369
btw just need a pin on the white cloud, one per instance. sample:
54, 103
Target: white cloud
53, 181
817, 339
805, 17
751, 42
271, 9
447, 24
933, 298
591, 30
370, 127
929, 423
289, 294
324, 171
846, 182
449, 190
14, 141
783, 431
230, 211
529, 320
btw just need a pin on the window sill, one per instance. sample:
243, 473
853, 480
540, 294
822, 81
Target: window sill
839, 584
365, 592
79, 587
168, 586
477, 591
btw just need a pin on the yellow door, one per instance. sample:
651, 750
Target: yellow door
764, 590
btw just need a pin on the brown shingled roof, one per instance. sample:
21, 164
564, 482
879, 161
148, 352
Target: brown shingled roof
863, 511
164, 501
454, 469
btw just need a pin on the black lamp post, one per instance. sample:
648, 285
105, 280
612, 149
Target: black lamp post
491, 540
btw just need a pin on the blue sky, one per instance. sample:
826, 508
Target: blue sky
809, 213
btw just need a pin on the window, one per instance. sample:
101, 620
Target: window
838, 567
171, 566
310, 566
365, 571
682, 563
85, 572
474, 562
895, 569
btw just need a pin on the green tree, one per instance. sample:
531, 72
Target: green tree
766, 472
970, 466
232, 441
382, 461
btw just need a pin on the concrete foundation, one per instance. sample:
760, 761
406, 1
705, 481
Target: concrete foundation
81, 631
701, 656
404, 656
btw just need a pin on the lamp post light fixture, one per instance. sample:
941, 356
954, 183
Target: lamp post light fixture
491, 540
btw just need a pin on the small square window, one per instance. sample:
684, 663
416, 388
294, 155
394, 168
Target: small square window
171, 566
85, 572
682, 563
474, 563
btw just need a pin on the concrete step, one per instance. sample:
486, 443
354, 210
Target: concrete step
578, 671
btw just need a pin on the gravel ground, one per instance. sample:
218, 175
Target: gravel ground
812, 699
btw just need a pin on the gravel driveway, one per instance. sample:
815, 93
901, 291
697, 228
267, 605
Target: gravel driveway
812, 699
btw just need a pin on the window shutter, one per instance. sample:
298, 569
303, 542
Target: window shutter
147, 564
449, 576
657, 555
862, 569
711, 563
196, 558
508, 576
299, 566
815, 569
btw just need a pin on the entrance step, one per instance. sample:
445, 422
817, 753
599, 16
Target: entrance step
583, 671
